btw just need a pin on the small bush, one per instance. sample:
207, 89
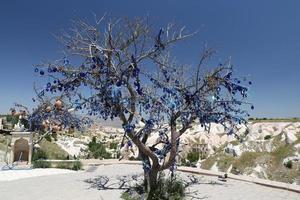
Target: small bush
127, 196
41, 164
12, 119
62, 165
174, 187
38, 158
48, 138
38, 155
289, 164
98, 149
267, 137
113, 145
193, 157
77, 165
167, 188
185, 163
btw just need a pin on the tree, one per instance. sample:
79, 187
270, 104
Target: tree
123, 69
49, 116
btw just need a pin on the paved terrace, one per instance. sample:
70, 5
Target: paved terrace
64, 185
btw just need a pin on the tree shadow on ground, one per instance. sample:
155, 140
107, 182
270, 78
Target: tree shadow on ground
134, 182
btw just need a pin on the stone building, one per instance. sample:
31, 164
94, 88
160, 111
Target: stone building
1, 123
21, 147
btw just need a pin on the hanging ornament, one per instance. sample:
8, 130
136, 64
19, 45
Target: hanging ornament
58, 104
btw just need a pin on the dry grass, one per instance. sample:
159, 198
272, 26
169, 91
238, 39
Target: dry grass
272, 162
225, 161
52, 150
209, 162
246, 160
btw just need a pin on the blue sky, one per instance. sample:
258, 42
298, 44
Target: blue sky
261, 36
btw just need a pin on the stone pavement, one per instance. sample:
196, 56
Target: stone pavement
73, 186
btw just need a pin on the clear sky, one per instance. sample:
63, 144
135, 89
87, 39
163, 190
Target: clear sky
261, 36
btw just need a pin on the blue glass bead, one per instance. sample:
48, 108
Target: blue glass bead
129, 143
42, 72
119, 83
82, 74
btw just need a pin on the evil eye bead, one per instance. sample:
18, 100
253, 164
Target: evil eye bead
129, 143
119, 83
82, 74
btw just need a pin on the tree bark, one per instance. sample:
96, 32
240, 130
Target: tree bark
151, 183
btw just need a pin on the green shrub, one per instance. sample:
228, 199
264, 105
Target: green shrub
98, 149
184, 163
12, 119
174, 187
77, 166
41, 164
193, 157
289, 164
167, 189
62, 165
38, 158
267, 137
113, 145
48, 138
38, 155
127, 196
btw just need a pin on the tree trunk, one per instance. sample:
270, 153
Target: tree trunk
151, 183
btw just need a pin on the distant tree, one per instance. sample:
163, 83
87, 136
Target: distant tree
123, 69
